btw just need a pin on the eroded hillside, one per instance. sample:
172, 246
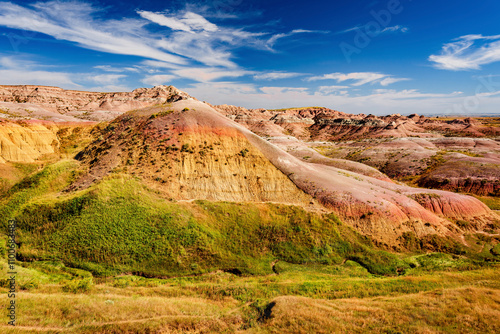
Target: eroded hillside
57, 104
187, 150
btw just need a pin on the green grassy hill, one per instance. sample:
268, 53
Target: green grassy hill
120, 226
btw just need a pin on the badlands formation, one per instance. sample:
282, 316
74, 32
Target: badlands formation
188, 149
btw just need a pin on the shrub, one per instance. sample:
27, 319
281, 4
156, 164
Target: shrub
185, 148
495, 250
78, 285
160, 114
462, 223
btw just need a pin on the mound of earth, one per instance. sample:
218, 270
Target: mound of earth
187, 151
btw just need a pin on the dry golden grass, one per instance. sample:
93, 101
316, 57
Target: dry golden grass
113, 313
461, 310
430, 302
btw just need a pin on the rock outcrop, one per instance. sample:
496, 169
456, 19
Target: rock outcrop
48, 102
26, 141
189, 151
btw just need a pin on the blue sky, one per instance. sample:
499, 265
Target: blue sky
379, 57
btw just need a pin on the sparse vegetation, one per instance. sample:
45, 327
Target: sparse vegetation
492, 202
161, 114
103, 230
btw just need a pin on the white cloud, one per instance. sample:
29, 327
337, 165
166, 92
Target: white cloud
198, 22
395, 29
348, 30
110, 88
464, 54
276, 75
190, 22
106, 79
390, 80
28, 77
195, 37
271, 41
326, 90
108, 68
380, 101
202, 91
14, 71
192, 37
359, 78
205, 74
163, 20
280, 90
160, 64
73, 21
159, 79
408, 94
20, 71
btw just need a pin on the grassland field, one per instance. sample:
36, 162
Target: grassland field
121, 258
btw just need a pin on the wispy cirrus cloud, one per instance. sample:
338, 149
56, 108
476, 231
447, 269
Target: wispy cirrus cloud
276, 75
378, 101
280, 90
158, 79
21, 70
327, 90
396, 28
106, 79
359, 78
409, 94
108, 68
190, 37
16, 71
392, 29
200, 74
76, 22
468, 52
195, 37
390, 80
172, 44
271, 41
203, 74
188, 22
